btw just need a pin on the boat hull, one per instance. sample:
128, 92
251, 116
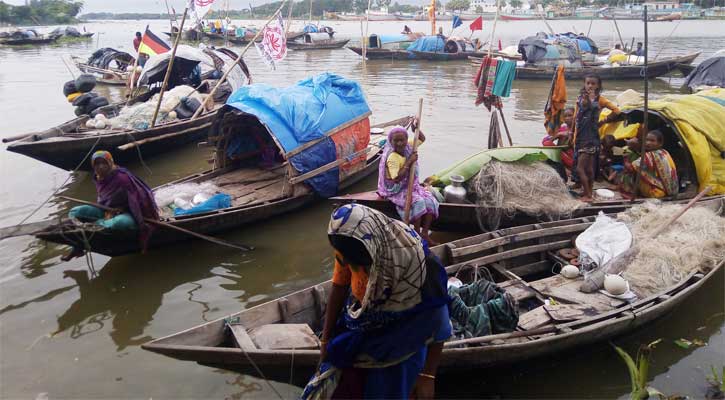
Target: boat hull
332, 44
523, 249
464, 217
116, 244
440, 56
28, 41
383, 54
625, 72
68, 151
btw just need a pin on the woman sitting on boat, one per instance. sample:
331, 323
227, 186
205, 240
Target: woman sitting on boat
117, 188
658, 173
391, 293
397, 160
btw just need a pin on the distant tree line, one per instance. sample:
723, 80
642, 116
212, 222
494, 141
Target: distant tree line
40, 12
124, 16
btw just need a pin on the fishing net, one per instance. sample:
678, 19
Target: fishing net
696, 241
506, 189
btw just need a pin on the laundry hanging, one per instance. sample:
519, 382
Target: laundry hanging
494, 80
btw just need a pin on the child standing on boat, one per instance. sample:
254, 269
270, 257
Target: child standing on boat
586, 132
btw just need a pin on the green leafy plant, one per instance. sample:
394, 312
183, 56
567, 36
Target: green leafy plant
717, 384
639, 371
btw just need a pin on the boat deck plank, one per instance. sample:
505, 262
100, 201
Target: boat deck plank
568, 289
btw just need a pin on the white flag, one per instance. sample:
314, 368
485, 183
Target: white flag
273, 48
199, 8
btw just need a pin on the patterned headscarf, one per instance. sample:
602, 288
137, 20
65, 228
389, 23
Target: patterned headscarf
398, 271
104, 155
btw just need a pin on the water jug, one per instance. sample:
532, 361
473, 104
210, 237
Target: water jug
455, 192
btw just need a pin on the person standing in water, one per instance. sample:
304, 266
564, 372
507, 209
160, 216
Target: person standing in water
586, 135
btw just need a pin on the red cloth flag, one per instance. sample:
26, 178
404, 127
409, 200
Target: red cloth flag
477, 24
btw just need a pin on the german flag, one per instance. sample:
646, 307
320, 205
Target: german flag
152, 44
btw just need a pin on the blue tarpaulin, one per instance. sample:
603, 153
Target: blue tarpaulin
309, 28
428, 43
302, 113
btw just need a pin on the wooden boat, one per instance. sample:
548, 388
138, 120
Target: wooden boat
107, 76
520, 261
31, 40
464, 217
305, 42
623, 72
518, 17
65, 146
382, 54
258, 194
443, 56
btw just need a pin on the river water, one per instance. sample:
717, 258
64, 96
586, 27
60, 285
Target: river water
66, 334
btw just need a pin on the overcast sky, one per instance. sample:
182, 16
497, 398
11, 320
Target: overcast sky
152, 6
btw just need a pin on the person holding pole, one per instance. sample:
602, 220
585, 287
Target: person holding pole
398, 162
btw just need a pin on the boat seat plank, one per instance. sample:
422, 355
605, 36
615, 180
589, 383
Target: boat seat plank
517, 289
534, 319
241, 337
284, 337
568, 289
569, 312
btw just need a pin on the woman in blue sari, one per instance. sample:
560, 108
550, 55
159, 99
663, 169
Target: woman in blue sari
387, 313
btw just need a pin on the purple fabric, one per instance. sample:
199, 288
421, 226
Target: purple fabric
121, 189
396, 191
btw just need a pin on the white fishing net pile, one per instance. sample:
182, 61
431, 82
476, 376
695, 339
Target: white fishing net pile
138, 116
535, 189
695, 241
185, 194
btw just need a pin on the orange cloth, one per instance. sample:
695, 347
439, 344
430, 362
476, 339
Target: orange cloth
350, 275
556, 103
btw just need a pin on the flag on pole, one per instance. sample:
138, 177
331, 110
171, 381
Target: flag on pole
199, 8
273, 48
457, 21
477, 24
152, 44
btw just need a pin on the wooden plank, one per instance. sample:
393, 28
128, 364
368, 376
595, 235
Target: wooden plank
513, 253
531, 269
317, 171
516, 289
241, 337
568, 289
460, 252
534, 318
284, 337
331, 132
570, 312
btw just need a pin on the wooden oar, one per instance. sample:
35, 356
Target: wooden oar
411, 173
24, 229
167, 225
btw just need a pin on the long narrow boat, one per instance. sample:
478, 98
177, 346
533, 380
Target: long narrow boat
31, 40
317, 45
443, 56
687, 120
257, 194
623, 72
382, 54
278, 337
65, 146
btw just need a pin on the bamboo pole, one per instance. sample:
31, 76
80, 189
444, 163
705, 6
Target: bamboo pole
367, 26
289, 19
643, 135
167, 225
171, 23
168, 69
411, 173
616, 25
239, 58
591, 21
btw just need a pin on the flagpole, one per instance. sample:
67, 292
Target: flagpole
169, 67
239, 58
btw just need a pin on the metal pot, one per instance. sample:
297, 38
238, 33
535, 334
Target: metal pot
455, 192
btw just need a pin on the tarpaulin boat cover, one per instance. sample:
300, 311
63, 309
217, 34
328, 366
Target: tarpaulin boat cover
306, 112
428, 43
471, 165
700, 120
710, 72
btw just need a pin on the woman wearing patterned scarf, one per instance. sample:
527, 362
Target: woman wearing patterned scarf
118, 188
387, 314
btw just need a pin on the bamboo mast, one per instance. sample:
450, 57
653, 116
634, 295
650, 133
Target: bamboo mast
169, 67
411, 173
239, 58
645, 128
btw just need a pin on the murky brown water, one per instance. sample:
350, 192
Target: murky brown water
71, 337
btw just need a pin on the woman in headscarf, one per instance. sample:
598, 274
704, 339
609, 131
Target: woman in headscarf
387, 313
118, 188
658, 173
397, 160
